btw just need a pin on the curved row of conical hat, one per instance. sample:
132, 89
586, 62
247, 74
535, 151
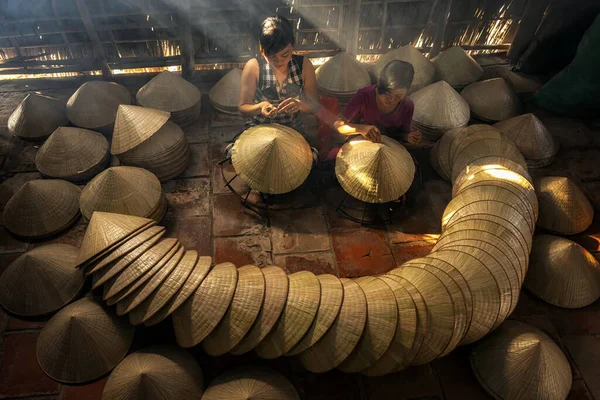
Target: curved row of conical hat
492, 100
36, 117
225, 95
94, 105
456, 67
250, 382
343, 75
424, 69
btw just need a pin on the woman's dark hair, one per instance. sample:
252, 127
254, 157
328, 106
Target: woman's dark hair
275, 34
395, 75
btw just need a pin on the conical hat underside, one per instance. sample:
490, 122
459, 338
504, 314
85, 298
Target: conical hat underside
41, 281
456, 67
95, 104
492, 100
530, 135
42, 207
135, 124
374, 172
342, 74
169, 92
564, 208
272, 158
122, 190
82, 342
37, 116
441, 107
562, 273
424, 69
156, 372
518, 361
250, 382
70, 152
226, 92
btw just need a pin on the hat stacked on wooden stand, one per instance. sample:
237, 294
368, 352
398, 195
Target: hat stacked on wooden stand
342, 76
424, 69
225, 95
456, 67
36, 117
492, 100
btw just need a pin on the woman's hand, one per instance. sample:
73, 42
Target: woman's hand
371, 132
289, 106
414, 137
267, 109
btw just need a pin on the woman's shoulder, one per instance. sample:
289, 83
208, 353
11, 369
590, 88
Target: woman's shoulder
408, 103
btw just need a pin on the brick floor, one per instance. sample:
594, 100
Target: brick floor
299, 231
243, 250
231, 218
322, 262
362, 252
91, 391
187, 197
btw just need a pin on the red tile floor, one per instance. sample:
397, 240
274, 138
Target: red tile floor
206, 216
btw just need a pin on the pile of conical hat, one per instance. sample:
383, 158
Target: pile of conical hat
169, 92
492, 100
374, 172
532, 138
42, 208
251, 382
518, 361
94, 105
124, 190
341, 76
439, 108
272, 158
73, 154
144, 138
456, 67
424, 69
36, 117
225, 95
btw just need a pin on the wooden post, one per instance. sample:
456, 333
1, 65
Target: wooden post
99, 56
532, 16
441, 30
186, 43
353, 27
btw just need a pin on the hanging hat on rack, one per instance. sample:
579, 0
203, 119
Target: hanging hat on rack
94, 105
492, 100
456, 67
73, 154
272, 158
225, 95
424, 69
41, 208
134, 125
374, 172
341, 76
36, 117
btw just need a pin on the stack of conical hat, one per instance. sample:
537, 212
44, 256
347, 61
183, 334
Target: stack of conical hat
36, 117
564, 208
518, 361
41, 208
41, 281
225, 95
562, 273
424, 69
251, 382
94, 105
456, 67
73, 154
124, 190
532, 138
342, 76
169, 92
374, 172
439, 108
272, 158
492, 100
143, 138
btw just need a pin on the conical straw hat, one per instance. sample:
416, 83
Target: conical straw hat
440, 152
298, 315
160, 144
374, 172
203, 311
474, 133
122, 190
245, 306
332, 295
492, 100
347, 329
82, 342
276, 291
226, 93
73, 154
153, 373
519, 361
272, 158
250, 382
41, 281
135, 124
169, 92
440, 107
531, 137
562, 273
41, 208
36, 117
424, 69
343, 74
564, 208
94, 105
498, 167
456, 67
380, 328
106, 230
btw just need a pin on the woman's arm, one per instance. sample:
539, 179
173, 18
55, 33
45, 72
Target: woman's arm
309, 101
368, 131
248, 88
